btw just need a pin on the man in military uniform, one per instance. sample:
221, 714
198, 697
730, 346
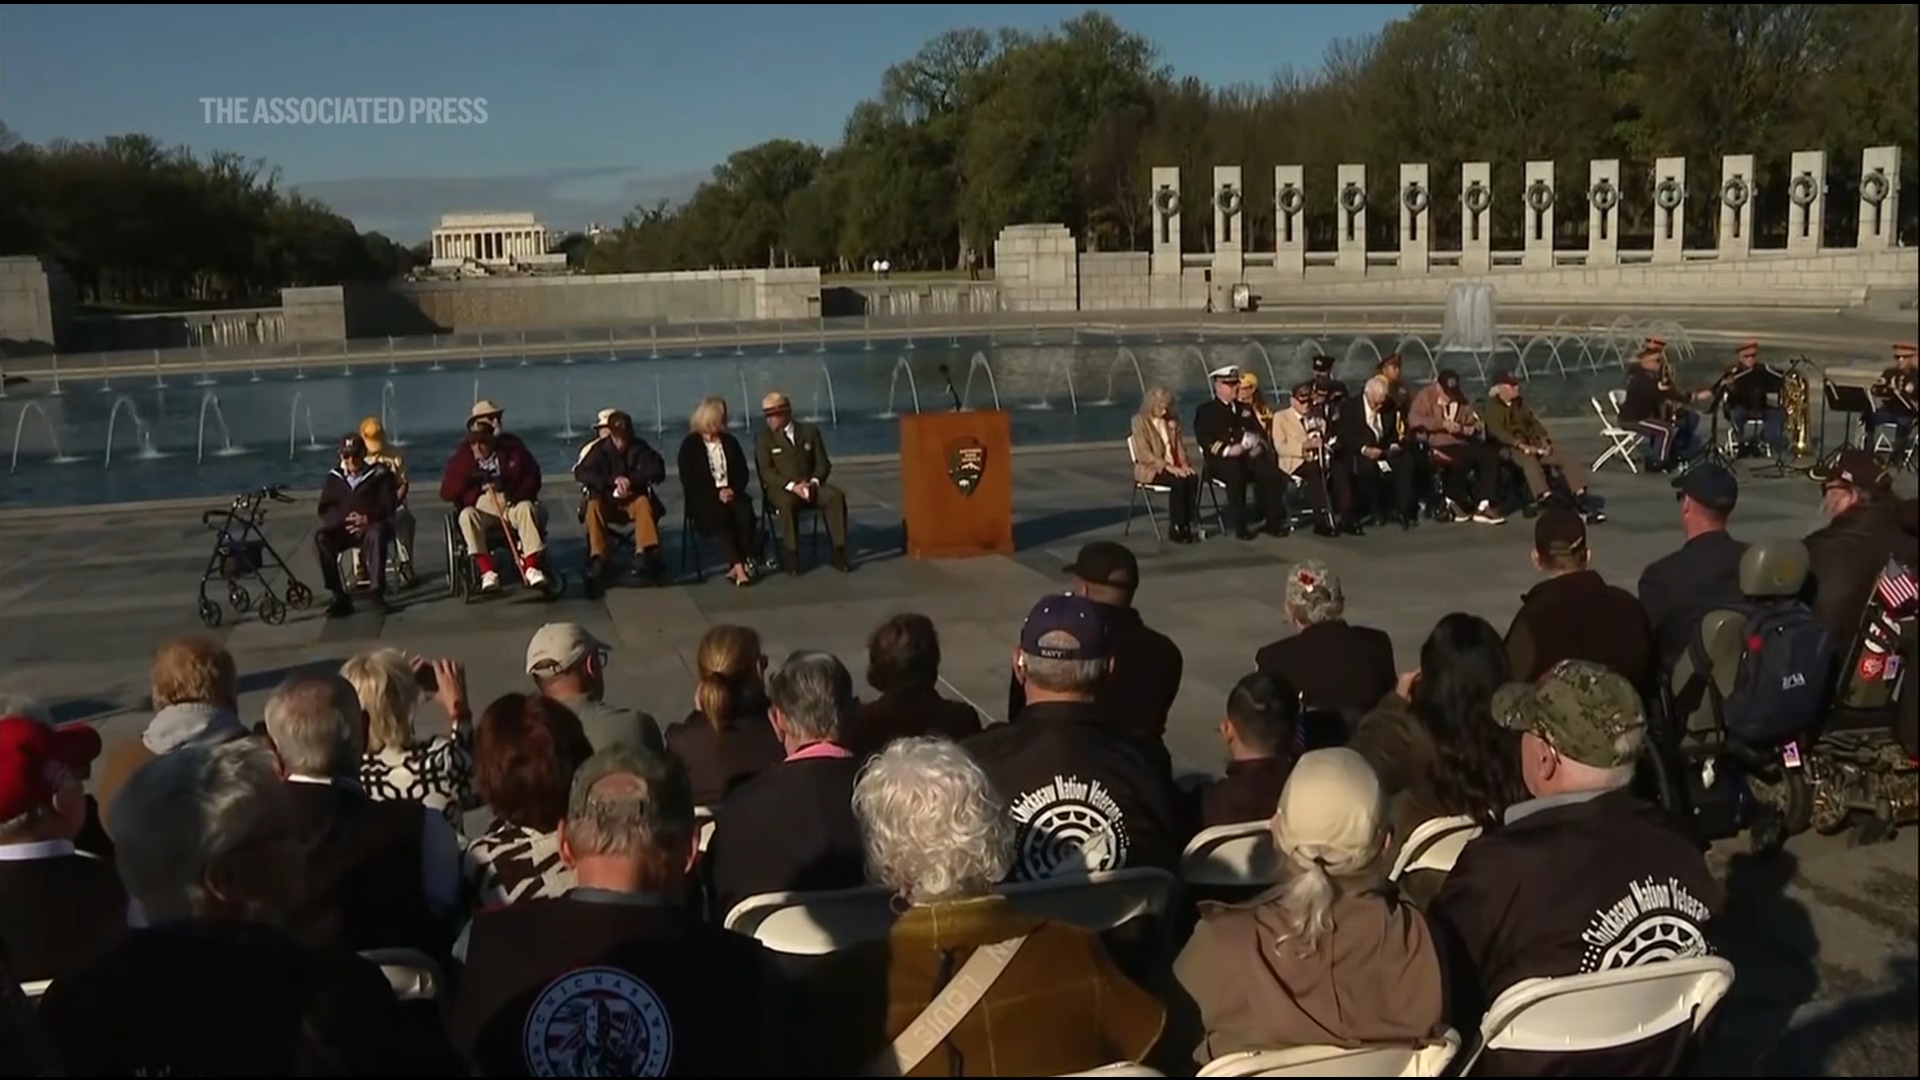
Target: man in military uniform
1897, 395
1329, 393
1658, 409
1236, 452
1751, 391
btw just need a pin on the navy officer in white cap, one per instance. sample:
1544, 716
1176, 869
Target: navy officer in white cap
1234, 444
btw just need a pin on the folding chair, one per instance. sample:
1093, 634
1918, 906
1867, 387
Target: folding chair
1622, 442
1231, 856
35, 989
1434, 844
1575, 1014
1119, 1068
413, 974
703, 822
1425, 1059
1144, 493
770, 536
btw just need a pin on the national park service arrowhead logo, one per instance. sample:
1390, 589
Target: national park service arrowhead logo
966, 463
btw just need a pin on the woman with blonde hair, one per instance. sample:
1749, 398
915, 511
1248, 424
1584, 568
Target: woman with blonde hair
1159, 453
727, 739
399, 764
1331, 955
714, 476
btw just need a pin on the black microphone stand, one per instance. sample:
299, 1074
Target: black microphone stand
946, 376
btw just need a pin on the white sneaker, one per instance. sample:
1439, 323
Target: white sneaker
489, 581
1485, 514
533, 577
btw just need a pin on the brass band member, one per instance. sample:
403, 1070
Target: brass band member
1751, 391
1373, 445
1160, 457
1469, 467
1306, 446
1526, 442
1658, 409
1896, 397
1235, 450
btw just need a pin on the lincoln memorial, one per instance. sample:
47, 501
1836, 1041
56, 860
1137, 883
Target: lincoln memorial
499, 240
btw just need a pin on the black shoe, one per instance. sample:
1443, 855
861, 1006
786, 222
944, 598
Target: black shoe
840, 562
1244, 533
653, 568
1353, 528
340, 606
793, 563
1321, 528
1279, 530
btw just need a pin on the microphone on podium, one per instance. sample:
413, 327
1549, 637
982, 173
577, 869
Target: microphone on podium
947, 377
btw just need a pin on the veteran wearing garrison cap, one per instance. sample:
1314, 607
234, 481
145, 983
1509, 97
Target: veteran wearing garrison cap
1234, 444
794, 467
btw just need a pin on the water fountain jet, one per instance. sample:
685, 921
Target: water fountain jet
53, 437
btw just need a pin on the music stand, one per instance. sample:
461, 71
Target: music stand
1849, 401
1714, 452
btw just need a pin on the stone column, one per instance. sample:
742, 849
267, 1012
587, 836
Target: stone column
1229, 250
1806, 201
1736, 206
1476, 218
1603, 213
1165, 206
1415, 199
1879, 196
1289, 220
1536, 252
1669, 209
1350, 181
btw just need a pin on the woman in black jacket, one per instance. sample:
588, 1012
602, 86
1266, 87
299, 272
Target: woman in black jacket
714, 477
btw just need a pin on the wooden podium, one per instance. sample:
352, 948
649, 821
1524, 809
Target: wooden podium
956, 484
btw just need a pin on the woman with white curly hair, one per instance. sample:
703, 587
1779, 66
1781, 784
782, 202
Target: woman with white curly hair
1040, 998
1341, 669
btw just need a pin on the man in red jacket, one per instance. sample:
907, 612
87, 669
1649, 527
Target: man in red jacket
492, 475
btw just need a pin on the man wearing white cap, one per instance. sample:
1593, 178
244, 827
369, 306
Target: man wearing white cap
1233, 443
569, 665
618, 472
492, 475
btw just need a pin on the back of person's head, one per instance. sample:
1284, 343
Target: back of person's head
1560, 541
525, 751
1314, 594
633, 807
933, 826
811, 695
203, 831
1462, 664
728, 663
903, 653
1264, 712
1065, 649
193, 671
389, 692
313, 719
1331, 833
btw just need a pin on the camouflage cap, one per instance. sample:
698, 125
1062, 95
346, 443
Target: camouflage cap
1584, 711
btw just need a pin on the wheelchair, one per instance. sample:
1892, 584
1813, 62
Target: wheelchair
463, 580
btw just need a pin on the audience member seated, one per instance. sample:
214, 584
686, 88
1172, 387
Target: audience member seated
1434, 743
903, 663
1329, 957
1147, 664
964, 985
525, 753
375, 875
195, 692
92, 837
617, 978
1865, 529
1574, 614
214, 986
713, 480
1259, 730
791, 828
619, 472
1082, 799
1704, 575
726, 740
399, 765
569, 665
60, 909
1583, 877
25, 1049
1336, 666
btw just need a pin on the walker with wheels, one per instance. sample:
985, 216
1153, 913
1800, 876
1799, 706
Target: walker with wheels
242, 552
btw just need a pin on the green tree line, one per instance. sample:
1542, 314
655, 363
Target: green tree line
135, 223
982, 129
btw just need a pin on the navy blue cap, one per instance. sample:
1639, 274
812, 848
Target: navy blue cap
1712, 486
1065, 627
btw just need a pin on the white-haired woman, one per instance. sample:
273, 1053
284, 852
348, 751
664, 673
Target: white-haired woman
1341, 670
1331, 955
1160, 457
939, 836
399, 764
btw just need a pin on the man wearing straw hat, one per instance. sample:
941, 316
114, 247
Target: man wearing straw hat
794, 467
492, 475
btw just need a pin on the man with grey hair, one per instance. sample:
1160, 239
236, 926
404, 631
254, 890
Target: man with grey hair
1086, 795
1337, 667
206, 846
378, 875
791, 828
617, 977
1373, 439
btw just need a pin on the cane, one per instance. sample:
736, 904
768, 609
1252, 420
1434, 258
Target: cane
506, 529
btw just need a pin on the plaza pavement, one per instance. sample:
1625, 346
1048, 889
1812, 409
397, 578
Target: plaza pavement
1824, 935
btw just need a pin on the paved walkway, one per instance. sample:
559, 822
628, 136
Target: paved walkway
87, 595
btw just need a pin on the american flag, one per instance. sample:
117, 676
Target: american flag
1896, 587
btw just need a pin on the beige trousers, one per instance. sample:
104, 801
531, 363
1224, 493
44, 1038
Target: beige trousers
522, 517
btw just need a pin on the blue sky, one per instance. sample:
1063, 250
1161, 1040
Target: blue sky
590, 108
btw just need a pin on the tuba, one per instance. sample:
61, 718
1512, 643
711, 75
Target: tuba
1796, 406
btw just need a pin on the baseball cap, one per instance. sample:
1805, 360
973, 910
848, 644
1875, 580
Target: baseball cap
1302, 391
1906, 348
1712, 486
1506, 378
559, 646
1104, 562
1585, 712
1331, 811
1748, 348
1560, 533
34, 759
1858, 468
1323, 363
600, 418
1065, 628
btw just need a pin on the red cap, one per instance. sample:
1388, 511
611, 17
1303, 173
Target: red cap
1906, 348
1749, 348
1656, 343
34, 759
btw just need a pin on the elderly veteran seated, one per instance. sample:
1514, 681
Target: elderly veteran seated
964, 985
794, 466
619, 472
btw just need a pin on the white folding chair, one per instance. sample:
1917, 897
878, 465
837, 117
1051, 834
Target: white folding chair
1576, 1014
1623, 443
1143, 493
1231, 856
1425, 1059
703, 823
1434, 844
35, 989
1119, 1068
412, 974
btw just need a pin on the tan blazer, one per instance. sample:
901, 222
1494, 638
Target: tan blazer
1289, 439
1153, 455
